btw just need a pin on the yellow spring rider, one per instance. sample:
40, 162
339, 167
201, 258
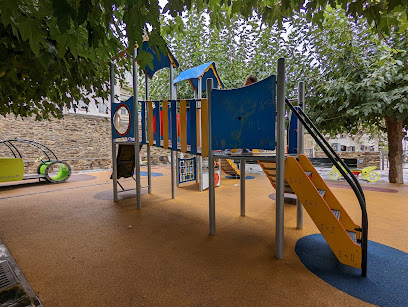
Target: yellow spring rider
366, 173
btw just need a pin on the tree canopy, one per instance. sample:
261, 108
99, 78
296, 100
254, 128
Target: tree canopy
54, 51
356, 79
361, 76
362, 82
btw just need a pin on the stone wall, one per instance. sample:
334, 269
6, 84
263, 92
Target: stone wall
364, 159
82, 141
85, 142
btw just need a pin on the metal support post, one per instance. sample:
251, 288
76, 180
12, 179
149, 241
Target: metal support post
173, 179
211, 188
300, 149
199, 127
114, 162
149, 159
201, 174
197, 168
242, 182
280, 160
382, 159
177, 169
136, 128
115, 173
173, 163
200, 169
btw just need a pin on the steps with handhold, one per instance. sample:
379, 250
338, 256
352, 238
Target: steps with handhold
230, 168
329, 197
269, 169
327, 213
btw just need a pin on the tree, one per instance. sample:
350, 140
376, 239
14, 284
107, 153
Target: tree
363, 82
239, 47
53, 51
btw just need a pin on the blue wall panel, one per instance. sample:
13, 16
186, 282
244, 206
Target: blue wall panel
244, 117
129, 105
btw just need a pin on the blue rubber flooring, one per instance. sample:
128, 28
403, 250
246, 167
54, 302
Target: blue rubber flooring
142, 173
246, 178
386, 283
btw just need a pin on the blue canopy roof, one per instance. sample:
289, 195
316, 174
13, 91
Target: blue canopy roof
204, 72
164, 62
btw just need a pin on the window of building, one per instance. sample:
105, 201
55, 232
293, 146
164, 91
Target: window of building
103, 108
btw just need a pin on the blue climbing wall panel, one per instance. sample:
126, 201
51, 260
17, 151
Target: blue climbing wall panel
244, 117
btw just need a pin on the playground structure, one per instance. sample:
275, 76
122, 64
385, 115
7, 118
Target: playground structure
50, 168
245, 118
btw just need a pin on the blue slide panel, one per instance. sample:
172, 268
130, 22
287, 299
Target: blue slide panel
173, 123
244, 117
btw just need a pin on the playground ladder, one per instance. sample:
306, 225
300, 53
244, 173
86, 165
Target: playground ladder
340, 232
318, 195
230, 168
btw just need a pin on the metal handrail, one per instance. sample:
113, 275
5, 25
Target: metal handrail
9, 145
329, 151
333, 152
36, 144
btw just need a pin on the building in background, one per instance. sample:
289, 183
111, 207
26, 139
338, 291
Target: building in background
363, 142
100, 108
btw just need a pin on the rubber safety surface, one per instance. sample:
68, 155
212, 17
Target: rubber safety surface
386, 283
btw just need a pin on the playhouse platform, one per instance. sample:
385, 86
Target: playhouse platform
76, 247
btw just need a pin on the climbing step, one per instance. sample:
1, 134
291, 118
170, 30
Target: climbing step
269, 169
318, 200
336, 213
352, 235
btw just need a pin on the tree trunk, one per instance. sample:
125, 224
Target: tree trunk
394, 135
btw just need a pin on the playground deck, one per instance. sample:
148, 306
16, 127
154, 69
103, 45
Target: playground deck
76, 247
